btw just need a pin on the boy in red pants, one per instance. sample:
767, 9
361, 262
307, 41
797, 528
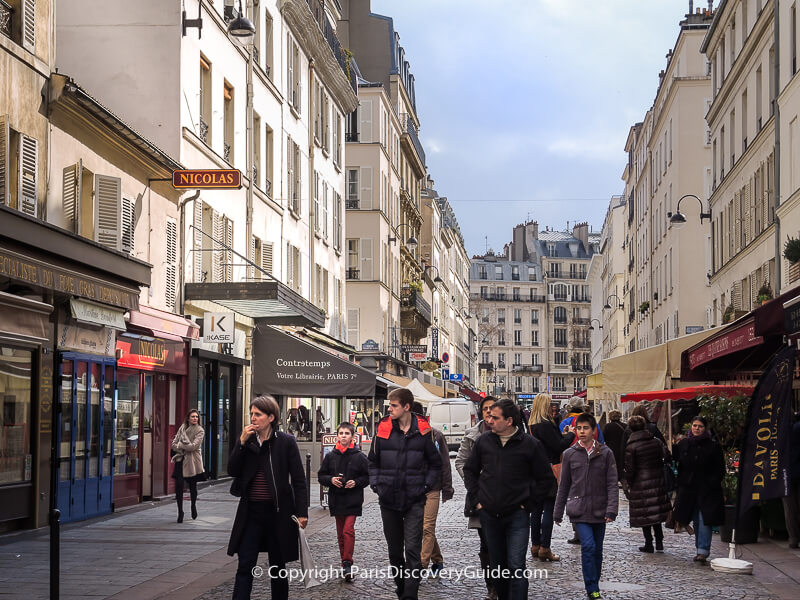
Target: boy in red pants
345, 471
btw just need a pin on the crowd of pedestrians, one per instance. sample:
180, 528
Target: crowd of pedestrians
522, 473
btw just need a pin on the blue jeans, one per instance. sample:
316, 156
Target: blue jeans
507, 540
591, 536
542, 522
702, 533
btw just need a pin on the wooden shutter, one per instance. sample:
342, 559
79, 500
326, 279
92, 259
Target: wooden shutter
71, 196
4, 154
252, 256
366, 259
228, 253
171, 291
366, 188
290, 195
365, 121
197, 242
290, 71
737, 222
28, 175
29, 25
108, 211
128, 224
218, 233
352, 326
266, 257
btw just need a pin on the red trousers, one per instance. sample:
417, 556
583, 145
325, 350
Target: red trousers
346, 533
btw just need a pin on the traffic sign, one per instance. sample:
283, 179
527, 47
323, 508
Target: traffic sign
445, 357
446, 374
456, 377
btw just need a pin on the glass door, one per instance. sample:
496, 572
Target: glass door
79, 449
223, 410
65, 428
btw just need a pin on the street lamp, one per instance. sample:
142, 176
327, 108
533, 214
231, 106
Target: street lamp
411, 243
437, 280
241, 29
607, 306
678, 219
599, 325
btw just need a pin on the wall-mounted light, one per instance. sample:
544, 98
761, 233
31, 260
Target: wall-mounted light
599, 325
608, 306
241, 29
678, 219
411, 243
437, 280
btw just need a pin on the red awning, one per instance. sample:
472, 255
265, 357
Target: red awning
688, 393
581, 394
470, 394
161, 322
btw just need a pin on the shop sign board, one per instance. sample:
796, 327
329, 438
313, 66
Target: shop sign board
219, 328
417, 356
414, 348
738, 339
207, 179
94, 341
434, 341
151, 354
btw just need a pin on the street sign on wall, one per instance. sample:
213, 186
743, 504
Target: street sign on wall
456, 377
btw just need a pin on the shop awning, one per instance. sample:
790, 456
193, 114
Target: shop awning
269, 302
288, 366
160, 322
470, 394
688, 393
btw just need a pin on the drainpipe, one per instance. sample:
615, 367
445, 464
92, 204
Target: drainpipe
182, 277
777, 154
311, 213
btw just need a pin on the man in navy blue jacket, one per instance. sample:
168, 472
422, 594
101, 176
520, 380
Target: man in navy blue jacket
403, 465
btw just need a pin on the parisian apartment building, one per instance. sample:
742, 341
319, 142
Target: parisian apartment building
532, 304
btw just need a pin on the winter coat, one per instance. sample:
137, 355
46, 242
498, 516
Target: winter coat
353, 465
471, 435
569, 421
504, 478
614, 432
794, 453
651, 427
188, 444
701, 468
644, 475
279, 458
445, 483
403, 466
589, 488
552, 440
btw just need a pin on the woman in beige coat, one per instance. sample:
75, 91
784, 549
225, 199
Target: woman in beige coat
188, 458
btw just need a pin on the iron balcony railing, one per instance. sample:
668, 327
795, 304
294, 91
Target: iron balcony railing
506, 298
203, 129
353, 273
351, 204
6, 14
411, 129
413, 299
486, 366
317, 8
351, 136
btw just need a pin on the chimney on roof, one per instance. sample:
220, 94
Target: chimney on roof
581, 232
691, 6
710, 6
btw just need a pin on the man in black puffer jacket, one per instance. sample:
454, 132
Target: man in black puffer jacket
507, 471
403, 465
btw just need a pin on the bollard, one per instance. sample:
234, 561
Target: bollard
55, 552
308, 477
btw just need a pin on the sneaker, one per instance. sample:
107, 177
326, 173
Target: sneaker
659, 545
594, 595
347, 569
436, 568
646, 548
574, 540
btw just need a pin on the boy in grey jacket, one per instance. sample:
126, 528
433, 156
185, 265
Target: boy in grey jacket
589, 492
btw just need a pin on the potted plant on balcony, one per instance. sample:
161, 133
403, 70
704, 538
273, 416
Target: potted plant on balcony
727, 316
791, 250
416, 286
644, 307
764, 294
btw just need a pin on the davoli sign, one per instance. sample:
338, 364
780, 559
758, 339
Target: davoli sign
207, 179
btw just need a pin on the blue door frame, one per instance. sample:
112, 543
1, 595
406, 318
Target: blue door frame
86, 474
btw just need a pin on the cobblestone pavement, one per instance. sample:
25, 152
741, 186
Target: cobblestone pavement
627, 573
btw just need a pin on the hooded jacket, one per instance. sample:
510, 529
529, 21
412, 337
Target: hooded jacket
403, 466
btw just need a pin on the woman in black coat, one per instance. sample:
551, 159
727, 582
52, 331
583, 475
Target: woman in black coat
641, 411
645, 488
613, 433
544, 429
701, 468
270, 478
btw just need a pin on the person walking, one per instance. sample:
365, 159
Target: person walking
403, 466
613, 433
701, 468
270, 478
644, 483
505, 475
187, 456
791, 503
641, 411
431, 553
589, 491
544, 429
467, 443
345, 471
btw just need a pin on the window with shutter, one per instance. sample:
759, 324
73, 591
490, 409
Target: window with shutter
353, 326
254, 256
290, 194
366, 188
4, 160
171, 286
29, 25
266, 257
71, 196
366, 259
324, 210
108, 211
365, 121
28, 175
228, 253
317, 215
197, 242
218, 233
129, 224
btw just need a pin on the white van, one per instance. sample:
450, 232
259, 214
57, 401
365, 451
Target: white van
452, 418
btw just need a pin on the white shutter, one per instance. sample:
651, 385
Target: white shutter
4, 152
366, 188
71, 196
218, 233
29, 25
28, 175
172, 264
108, 211
289, 70
352, 326
228, 253
128, 224
266, 257
366, 259
365, 121
197, 244
251, 256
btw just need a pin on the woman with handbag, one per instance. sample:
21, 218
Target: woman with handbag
271, 480
544, 429
188, 458
645, 486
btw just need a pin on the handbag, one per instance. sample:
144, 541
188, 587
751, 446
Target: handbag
307, 566
557, 472
236, 487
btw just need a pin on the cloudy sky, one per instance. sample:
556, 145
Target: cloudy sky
525, 105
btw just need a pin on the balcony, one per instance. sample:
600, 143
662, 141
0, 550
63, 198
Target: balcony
580, 321
414, 305
560, 320
317, 8
203, 128
410, 129
486, 366
528, 368
6, 13
504, 298
353, 274
351, 136
352, 204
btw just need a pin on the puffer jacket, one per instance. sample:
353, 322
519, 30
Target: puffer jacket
589, 488
403, 466
644, 475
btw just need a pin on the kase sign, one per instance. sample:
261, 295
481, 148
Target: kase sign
207, 179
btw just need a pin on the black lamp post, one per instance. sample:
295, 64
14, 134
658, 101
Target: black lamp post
678, 219
599, 325
607, 306
411, 243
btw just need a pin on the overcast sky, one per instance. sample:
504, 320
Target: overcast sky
525, 105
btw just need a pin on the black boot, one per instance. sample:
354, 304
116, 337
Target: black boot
193, 494
179, 500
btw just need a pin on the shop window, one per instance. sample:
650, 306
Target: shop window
126, 440
15, 419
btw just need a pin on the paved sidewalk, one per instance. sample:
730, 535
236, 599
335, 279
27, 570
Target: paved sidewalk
143, 554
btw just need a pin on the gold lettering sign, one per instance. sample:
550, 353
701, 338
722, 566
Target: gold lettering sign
209, 179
